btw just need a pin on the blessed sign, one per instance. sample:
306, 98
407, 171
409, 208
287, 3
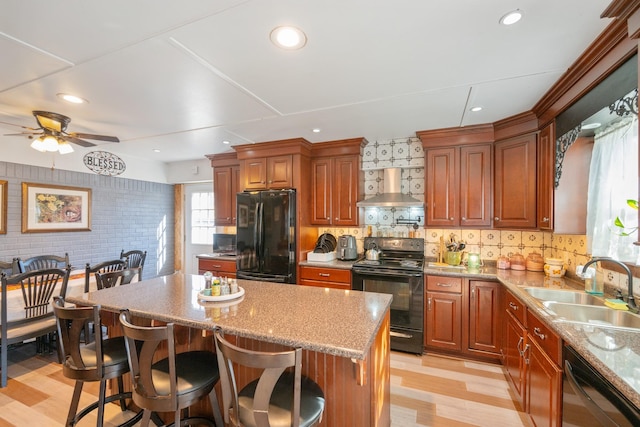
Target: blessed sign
104, 163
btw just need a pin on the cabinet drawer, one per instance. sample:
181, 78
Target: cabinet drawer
217, 265
444, 284
326, 274
515, 307
545, 337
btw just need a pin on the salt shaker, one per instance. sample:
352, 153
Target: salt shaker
224, 288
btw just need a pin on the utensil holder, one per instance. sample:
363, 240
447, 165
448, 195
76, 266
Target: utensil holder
453, 258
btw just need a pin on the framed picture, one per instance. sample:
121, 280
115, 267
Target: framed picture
243, 216
3, 207
47, 208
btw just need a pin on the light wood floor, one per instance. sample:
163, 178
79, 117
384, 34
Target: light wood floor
426, 390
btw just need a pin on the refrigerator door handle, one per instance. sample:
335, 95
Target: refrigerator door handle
260, 219
256, 228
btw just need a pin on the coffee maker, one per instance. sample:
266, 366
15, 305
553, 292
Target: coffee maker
347, 250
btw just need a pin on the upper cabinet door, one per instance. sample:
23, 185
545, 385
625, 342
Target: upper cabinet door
225, 187
321, 191
279, 172
546, 174
441, 187
345, 191
334, 186
255, 172
515, 183
475, 185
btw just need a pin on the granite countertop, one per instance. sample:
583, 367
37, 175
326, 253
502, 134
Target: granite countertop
216, 256
615, 353
338, 322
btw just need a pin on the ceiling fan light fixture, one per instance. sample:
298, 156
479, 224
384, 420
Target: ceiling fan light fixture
64, 147
289, 38
38, 144
50, 143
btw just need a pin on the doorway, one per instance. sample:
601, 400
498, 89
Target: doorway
199, 223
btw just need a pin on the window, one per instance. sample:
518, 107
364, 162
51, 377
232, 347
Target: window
613, 179
202, 218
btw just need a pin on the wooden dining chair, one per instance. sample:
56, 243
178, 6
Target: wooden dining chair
33, 318
117, 278
10, 268
102, 267
280, 396
42, 262
174, 382
135, 259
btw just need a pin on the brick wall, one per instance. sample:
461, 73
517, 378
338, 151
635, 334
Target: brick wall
125, 214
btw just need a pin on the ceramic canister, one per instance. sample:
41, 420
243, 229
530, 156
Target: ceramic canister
554, 267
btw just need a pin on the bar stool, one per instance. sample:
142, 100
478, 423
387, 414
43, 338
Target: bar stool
102, 360
173, 383
279, 397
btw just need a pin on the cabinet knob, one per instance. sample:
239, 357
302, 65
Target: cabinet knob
497, 218
464, 218
336, 218
545, 219
328, 219
451, 219
513, 306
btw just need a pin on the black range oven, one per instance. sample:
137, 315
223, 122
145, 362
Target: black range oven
399, 272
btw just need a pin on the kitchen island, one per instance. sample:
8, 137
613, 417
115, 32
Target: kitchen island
344, 334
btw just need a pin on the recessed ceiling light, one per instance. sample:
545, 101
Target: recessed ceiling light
155, 150
315, 130
588, 126
288, 38
511, 17
225, 142
72, 98
475, 109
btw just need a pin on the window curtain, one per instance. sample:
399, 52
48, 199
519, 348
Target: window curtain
613, 179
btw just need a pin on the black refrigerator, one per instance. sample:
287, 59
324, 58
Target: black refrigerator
265, 236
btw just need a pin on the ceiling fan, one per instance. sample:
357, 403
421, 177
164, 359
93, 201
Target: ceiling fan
52, 135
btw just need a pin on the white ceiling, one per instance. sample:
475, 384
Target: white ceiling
182, 76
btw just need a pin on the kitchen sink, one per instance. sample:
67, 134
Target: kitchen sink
594, 315
565, 296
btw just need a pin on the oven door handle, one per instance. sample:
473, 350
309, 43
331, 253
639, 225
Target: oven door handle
591, 406
370, 271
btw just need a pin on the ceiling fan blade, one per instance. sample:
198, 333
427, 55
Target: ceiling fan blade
77, 141
20, 126
21, 134
96, 137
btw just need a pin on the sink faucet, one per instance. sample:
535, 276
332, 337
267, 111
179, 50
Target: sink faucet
630, 300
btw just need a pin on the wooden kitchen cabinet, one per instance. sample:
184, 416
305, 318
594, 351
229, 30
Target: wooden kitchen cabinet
514, 337
268, 173
544, 374
514, 203
546, 176
325, 277
484, 316
226, 181
443, 313
334, 187
458, 186
217, 267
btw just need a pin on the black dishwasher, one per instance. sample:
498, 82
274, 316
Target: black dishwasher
589, 399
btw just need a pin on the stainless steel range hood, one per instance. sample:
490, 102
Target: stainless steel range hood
392, 195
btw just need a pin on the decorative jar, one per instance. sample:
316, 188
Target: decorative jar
554, 267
